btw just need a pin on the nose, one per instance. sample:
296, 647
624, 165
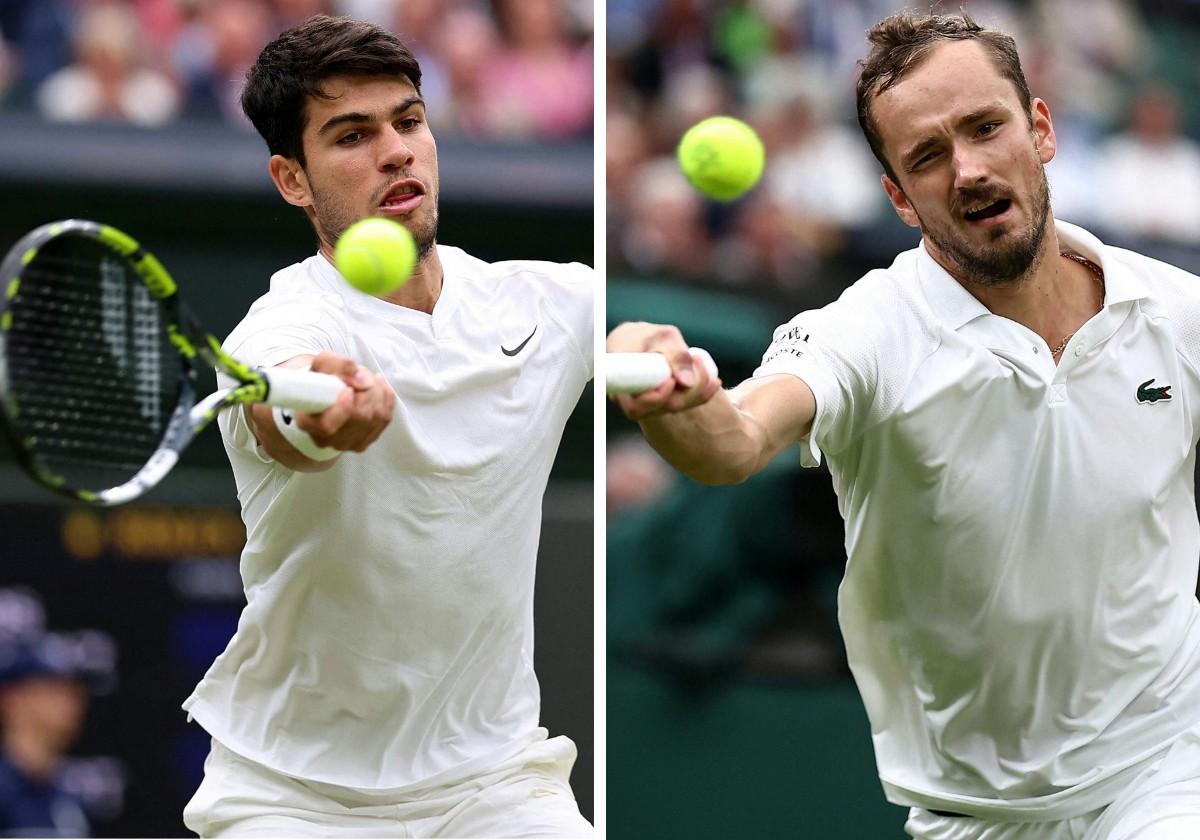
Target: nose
395, 152
969, 167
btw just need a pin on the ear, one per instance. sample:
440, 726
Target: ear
900, 203
1043, 131
291, 180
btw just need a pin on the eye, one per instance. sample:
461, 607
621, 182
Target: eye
350, 138
988, 128
410, 123
922, 160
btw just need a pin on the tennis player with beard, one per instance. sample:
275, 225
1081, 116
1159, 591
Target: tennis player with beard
380, 683
1010, 414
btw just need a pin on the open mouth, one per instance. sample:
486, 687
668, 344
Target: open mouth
402, 197
987, 209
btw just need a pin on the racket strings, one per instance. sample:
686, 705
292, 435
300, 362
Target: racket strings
93, 376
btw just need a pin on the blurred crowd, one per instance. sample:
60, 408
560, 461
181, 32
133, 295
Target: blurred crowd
1119, 77
492, 69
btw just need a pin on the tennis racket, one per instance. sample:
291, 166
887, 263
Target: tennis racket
633, 373
98, 365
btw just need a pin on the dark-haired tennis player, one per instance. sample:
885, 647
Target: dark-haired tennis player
381, 680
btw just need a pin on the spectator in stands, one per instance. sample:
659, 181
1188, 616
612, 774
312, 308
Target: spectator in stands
822, 176
110, 77
466, 45
214, 51
1152, 173
42, 707
542, 76
664, 232
34, 34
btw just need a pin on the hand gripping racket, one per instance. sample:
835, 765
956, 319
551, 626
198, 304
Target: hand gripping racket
98, 365
633, 373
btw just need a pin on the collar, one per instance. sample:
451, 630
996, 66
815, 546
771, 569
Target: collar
955, 306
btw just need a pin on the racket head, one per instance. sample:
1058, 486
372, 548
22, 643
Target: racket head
97, 370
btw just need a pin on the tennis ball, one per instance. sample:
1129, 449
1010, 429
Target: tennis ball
375, 255
722, 157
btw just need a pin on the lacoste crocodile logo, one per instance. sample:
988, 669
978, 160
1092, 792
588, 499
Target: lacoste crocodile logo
1146, 394
519, 347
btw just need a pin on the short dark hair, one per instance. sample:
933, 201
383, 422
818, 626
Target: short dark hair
900, 42
294, 66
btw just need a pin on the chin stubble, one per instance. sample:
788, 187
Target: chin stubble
998, 265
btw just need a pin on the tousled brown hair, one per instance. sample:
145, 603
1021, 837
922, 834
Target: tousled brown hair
901, 42
294, 66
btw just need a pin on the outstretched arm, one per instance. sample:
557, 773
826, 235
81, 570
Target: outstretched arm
354, 422
711, 435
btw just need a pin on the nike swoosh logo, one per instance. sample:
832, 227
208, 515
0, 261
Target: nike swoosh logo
519, 347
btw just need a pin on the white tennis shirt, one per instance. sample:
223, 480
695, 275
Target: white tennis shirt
1019, 601
387, 640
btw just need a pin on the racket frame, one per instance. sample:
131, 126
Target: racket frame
183, 332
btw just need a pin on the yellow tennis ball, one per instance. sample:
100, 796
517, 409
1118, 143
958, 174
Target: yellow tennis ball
722, 157
375, 255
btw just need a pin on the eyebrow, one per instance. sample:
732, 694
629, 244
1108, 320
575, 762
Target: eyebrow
910, 157
360, 117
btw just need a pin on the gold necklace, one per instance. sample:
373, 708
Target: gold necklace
1098, 273
1063, 346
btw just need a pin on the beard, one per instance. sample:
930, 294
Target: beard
333, 216
998, 263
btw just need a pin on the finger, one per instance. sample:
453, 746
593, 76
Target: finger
323, 426
684, 400
683, 367
363, 379
635, 336
647, 403
373, 410
342, 366
382, 410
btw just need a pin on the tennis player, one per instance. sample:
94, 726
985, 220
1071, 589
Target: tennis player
381, 680
1010, 414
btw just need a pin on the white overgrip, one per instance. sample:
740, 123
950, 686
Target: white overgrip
633, 373
301, 390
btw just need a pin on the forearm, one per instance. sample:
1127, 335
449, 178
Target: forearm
736, 433
713, 443
262, 424
313, 442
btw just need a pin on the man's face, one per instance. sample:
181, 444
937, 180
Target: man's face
369, 152
49, 708
970, 166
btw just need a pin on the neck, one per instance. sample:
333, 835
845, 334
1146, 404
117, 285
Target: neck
423, 288
1053, 299
424, 285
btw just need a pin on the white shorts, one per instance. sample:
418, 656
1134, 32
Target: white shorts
526, 796
1161, 803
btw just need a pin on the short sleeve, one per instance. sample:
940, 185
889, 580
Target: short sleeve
854, 354
575, 308
278, 327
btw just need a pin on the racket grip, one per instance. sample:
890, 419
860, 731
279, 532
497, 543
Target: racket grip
301, 390
633, 373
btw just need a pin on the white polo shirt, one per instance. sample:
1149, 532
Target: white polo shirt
387, 640
1019, 601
